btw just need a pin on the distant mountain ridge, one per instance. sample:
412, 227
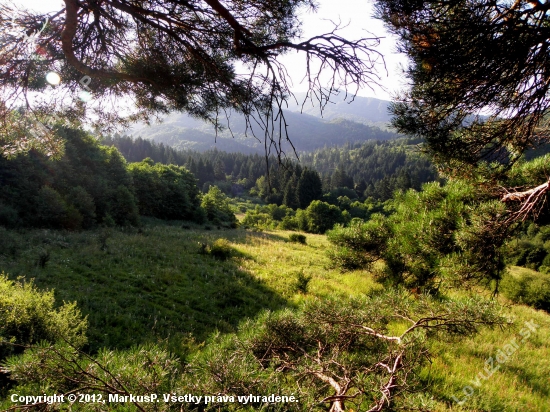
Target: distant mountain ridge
341, 122
366, 110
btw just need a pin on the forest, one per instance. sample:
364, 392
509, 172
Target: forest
405, 269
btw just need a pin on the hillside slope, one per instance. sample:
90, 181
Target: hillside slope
340, 123
154, 285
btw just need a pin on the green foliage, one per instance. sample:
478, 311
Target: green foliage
84, 204
221, 249
328, 349
375, 169
297, 238
51, 209
28, 316
527, 287
436, 236
309, 187
76, 191
535, 258
321, 216
289, 223
141, 370
43, 258
258, 219
302, 282
9, 217
217, 206
92, 184
9, 243
165, 192
370, 169
302, 220
446, 42
124, 208
316, 218
530, 247
360, 244
152, 290
270, 217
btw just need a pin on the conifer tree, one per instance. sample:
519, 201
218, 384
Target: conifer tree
480, 84
165, 55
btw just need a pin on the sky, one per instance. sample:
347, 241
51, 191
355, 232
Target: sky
356, 14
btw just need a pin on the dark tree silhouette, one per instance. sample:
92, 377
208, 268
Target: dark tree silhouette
167, 55
471, 58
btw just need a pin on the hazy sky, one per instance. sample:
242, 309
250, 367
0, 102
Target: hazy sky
355, 12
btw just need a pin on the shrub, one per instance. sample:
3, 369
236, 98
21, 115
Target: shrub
530, 288
297, 238
221, 249
302, 282
346, 259
535, 258
528, 255
61, 368
546, 261
28, 316
544, 234
521, 259
103, 236
298, 350
289, 223
259, 219
302, 220
51, 209
321, 216
360, 244
217, 206
43, 258
84, 204
440, 233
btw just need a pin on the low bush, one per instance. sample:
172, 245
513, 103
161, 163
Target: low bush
28, 316
221, 249
302, 282
297, 238
347, 259
360, 244
528, 287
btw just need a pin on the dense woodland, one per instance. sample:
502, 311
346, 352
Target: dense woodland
372, 169
93, 185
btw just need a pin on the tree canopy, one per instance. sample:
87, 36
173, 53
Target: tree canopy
204, 57
479, 73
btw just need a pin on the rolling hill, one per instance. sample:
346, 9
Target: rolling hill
341, 122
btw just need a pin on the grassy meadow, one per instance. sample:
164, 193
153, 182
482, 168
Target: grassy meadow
159, 284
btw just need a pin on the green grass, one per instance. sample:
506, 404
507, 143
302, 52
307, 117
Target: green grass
148, 286
155, 285
521, 382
